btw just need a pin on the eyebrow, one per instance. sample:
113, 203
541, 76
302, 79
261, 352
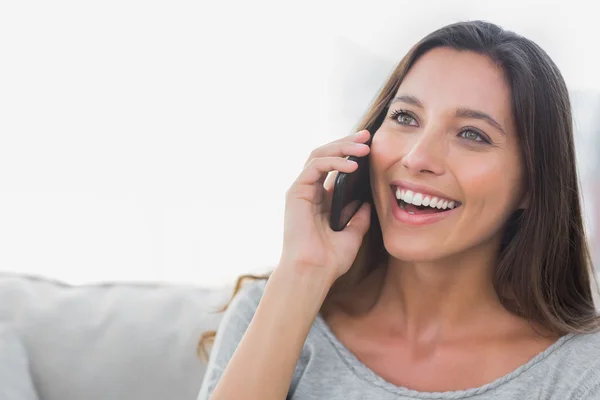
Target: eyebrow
460, 113
408, 100
469, 113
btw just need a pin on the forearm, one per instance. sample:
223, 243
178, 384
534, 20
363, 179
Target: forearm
263, 364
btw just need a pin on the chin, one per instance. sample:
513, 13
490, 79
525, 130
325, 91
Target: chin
414, 247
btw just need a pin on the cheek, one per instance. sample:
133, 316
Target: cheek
386, 149
383, 156
385, 153
491, 182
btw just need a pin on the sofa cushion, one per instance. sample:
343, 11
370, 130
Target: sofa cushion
117, 341
15, 381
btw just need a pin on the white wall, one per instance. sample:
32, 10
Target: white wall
147, 140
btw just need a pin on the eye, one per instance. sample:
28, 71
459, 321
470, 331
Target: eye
403, 118
474, 136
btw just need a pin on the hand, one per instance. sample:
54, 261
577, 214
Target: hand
308, 240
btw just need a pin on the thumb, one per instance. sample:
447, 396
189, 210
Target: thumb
359, 224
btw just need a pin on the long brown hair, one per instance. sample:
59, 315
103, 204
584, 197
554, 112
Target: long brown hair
544, 271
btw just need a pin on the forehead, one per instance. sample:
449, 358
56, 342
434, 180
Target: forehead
447, 79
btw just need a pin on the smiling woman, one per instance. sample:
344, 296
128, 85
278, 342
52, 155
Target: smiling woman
466, 276
433, 138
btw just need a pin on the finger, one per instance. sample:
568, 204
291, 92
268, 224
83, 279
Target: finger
318, 168
360, 222
359, 137
309, 184
330, 180
339, 150
350, 146
328, 190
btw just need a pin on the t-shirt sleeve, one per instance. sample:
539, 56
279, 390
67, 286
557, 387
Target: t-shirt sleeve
230, 331
584, 376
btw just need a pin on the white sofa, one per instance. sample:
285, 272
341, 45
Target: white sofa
106, 341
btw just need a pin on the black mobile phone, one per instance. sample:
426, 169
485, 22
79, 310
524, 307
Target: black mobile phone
351, 190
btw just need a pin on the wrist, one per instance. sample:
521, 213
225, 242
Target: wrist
307, 284
305, 274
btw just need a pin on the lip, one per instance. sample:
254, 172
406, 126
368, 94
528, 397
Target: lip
418, 219
421, 189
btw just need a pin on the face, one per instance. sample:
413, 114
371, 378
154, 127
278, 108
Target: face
448, 140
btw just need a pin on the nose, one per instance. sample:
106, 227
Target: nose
426, 153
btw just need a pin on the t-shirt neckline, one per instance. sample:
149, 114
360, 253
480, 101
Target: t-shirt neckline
364, 372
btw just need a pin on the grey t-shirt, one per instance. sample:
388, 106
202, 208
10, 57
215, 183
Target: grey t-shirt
568, 370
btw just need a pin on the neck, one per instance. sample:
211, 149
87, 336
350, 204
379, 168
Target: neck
442, 297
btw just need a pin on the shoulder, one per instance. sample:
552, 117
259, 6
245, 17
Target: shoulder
238, 314
582, 348
585, 346
231, 329
243, 305
578, 363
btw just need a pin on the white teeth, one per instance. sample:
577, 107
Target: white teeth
418, 199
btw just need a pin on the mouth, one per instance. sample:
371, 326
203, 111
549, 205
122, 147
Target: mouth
419, 203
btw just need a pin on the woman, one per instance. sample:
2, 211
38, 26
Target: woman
469, 277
